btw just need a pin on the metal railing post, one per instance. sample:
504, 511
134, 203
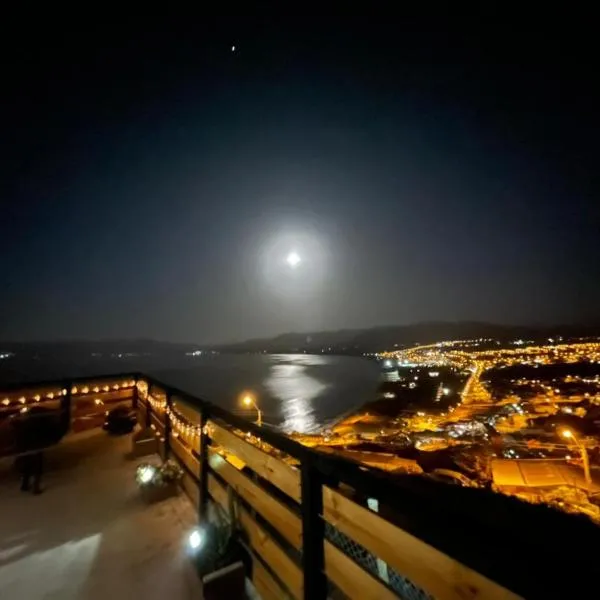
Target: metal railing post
313, 532
203, 483
148, 406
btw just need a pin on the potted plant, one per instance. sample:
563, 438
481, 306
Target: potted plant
158, 483
219, 559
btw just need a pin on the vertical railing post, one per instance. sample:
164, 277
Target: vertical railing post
203, 483
148, 406
134, 395
313, 532
167, 444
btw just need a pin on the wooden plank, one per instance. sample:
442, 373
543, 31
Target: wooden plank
158, 424
110, 404
141, 414
262, 543
218, 492
188, 411
79, 424
286, 478
104, 396
161, 450
190, 487
185, 456
91, 408
436, 573
289, 572
265, 583
190, 440
353, 580
280, 516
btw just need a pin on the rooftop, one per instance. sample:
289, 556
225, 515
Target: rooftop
538, 473
90, 535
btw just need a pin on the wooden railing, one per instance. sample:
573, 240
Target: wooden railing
79, 404
319, 526
282, 498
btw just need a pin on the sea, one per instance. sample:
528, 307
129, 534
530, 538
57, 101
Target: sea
302, 393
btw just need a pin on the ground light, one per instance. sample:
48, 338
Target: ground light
196, 539
147, 474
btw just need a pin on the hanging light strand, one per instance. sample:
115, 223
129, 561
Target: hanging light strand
181, 426
157, 404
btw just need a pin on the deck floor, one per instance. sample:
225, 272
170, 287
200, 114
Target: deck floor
89, 535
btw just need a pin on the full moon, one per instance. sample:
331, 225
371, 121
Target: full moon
293, 259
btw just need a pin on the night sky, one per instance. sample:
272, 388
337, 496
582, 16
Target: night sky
153, 183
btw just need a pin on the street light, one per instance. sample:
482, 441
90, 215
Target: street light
569, 435
248, 400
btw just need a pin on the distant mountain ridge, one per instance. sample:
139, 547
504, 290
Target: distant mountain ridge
103, 346
355, 341
344, 341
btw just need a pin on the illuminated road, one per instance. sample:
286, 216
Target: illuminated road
474, 391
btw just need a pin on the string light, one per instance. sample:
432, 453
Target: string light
37, 397
6, 401
50, 395
158, 405
85, 389
96, 389
142, 388
106, 388
74, 389
22, 400
181, 426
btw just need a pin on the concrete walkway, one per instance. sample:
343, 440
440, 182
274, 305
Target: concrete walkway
89, 535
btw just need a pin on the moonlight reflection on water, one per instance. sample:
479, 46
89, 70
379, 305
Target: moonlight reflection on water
296, 389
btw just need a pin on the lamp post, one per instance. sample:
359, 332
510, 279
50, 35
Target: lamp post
569, 435
248, 400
